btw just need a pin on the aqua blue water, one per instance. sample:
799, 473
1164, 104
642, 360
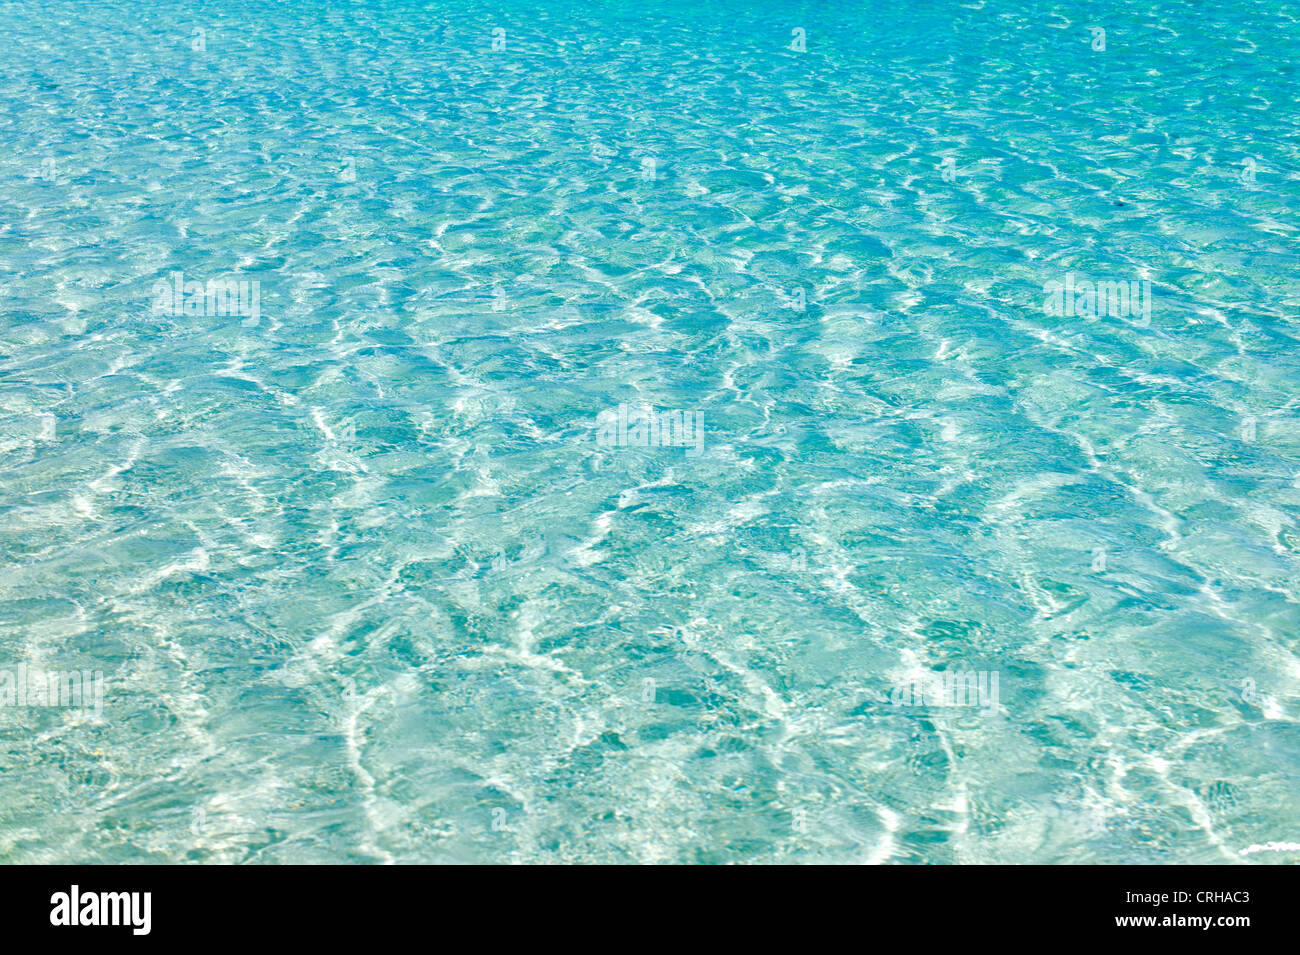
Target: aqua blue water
373, 575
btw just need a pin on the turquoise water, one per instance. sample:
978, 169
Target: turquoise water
375, 572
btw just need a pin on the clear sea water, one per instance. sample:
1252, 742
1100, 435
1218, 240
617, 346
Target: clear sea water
363, 582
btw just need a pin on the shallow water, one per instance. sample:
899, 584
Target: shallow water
365, 576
